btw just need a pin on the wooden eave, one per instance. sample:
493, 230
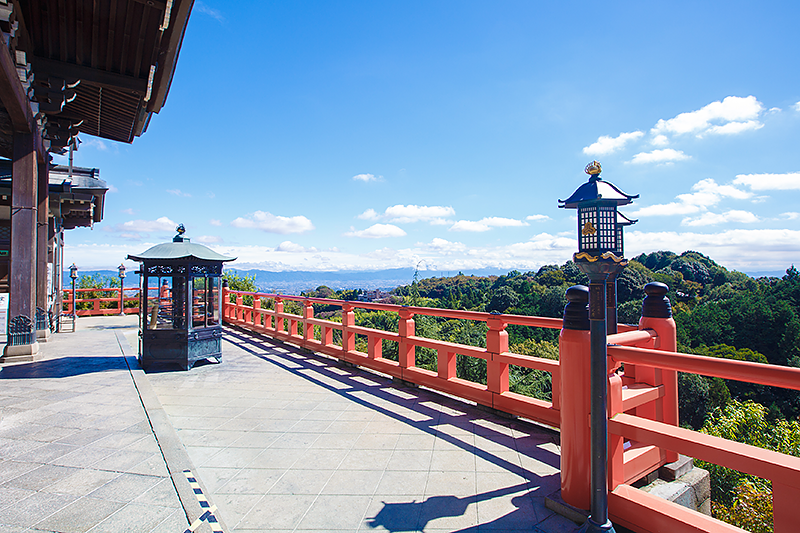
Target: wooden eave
110, 46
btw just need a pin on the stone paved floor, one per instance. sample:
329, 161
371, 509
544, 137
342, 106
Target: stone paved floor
288, 441
76, 450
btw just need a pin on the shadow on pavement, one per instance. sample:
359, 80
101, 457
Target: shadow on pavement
414, 515
63, 367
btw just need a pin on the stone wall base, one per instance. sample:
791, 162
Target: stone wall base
23, 353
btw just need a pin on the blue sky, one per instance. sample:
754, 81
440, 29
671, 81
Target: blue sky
369, 135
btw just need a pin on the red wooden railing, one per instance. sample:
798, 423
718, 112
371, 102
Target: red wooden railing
300, 330
96, 307
643, 401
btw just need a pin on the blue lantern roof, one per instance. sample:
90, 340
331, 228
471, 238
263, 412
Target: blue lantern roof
597, 190
180, 250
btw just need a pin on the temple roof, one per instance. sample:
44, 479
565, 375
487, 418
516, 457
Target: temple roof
180, 250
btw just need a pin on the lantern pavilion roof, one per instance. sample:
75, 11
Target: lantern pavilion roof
597, 190
180, 249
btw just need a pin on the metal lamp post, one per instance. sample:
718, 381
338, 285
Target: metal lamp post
73, 273
600, 257
121, 269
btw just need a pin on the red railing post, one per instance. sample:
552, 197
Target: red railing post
279, 321
574, 359
226, 303
616, 443
256, 320
405, 328
446, 363
247, 312
239, 305
496, 344
784, 502
348, 336
308, 328
657, 315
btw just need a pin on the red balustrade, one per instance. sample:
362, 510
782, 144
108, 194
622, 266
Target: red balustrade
96, 308
643, 400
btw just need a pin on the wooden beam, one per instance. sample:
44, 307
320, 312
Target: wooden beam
168, 55
12, 94
47, 67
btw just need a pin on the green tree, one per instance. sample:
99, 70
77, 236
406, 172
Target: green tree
244, 283
736, 495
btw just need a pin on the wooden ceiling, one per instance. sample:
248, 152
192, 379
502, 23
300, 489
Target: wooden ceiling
122, 53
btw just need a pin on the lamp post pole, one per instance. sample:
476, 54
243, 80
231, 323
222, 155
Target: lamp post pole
73, 273
121, 270
600, 256
599, 272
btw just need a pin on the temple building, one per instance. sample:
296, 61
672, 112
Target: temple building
68, 67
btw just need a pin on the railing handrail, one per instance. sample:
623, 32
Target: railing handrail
748, 371
479, 316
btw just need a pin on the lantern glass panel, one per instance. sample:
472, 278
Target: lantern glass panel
213, 301
199, 301
587, 228
608, 226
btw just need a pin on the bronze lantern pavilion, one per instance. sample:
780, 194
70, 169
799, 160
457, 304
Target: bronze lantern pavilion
599, 222
180, 302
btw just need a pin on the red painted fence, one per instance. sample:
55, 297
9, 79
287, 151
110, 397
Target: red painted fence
643, 400
112, 301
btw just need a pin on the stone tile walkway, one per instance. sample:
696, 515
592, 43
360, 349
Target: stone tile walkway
77, 452
290, 441
280, 440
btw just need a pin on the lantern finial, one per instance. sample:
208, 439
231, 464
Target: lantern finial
594, 169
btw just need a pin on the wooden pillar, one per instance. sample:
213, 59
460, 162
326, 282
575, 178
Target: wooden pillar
42, 242
22, 285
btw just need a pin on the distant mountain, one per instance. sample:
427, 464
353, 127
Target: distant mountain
294, 282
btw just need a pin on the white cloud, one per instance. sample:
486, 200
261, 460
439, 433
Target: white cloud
215, 222
707, 193
606, 144
769, 182
366, 177
709, 186
215, 13
291, 247
710, 219
96, 143
143, 226
208, 239
537, 218
178, 192
274, 223
667, 155
369, 214
659, 140
485, 224
732, 109
444, 246
791, 215
732, 128
128, 211
377, 231
741, 249
418, 213
796, 106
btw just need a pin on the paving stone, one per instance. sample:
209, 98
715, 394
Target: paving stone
80, 516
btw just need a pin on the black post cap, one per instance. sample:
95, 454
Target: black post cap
576, 312
656, 304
